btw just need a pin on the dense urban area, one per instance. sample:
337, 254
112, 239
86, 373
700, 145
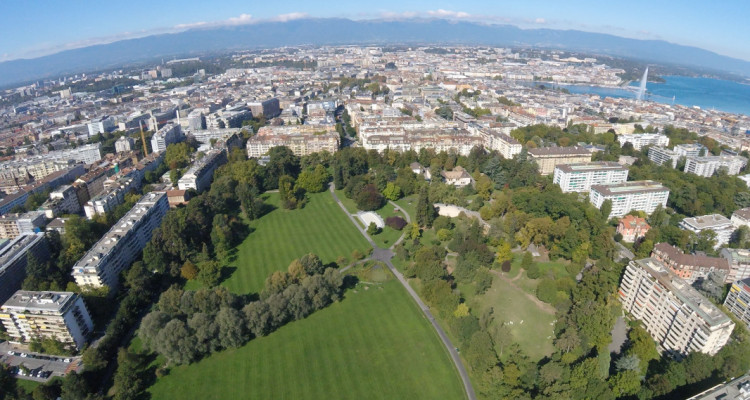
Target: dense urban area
370, 222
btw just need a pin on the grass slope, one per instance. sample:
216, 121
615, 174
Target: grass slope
320, 227
375, 344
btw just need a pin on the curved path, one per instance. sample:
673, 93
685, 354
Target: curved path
385, 255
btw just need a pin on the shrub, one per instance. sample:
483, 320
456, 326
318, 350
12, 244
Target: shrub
373, 229
506, 266
533, 272
369, 198
396, 223
444, 234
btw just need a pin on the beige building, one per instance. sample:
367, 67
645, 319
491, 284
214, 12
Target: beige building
547, 158
679, 318
40, 315
301, 139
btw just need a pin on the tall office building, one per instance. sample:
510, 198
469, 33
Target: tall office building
679, 318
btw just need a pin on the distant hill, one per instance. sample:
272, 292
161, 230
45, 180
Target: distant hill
333, 31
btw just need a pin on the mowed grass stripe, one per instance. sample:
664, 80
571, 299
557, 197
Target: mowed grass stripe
283, 235
374, 344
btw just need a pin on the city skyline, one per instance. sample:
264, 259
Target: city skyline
56, 26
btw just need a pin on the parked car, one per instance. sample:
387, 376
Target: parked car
24, 355
67, 360
11, 352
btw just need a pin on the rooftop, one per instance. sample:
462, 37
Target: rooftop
24, 300
592, 166
683, 291
613, 189
559, 151
707, 221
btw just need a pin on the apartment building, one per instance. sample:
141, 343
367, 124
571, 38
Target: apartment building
707, 166
62, 316
268, 108
504, 144
739, 263
690, 150
547, 158
679, 318
112, 197
643, 196
741, 217
124, 144
738, 300
13, 259
580, 177
198, 177
641, 140
170, 133
14, 225
63, 200
717, 223
301, 139
114, 252
662, 156
689, 267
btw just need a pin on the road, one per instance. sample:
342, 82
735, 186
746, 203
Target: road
624, 252
385, 256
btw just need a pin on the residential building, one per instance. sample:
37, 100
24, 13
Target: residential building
114, 252
679, 318
739, 263
689, 267
738, 300
580, 177
643, 196
13, 259
741, 217
301, 139
707, 166
177, 197
661, 156
690, 150
504, 144
632, 228
113, 196
63, 200
737, 389
458, 177
198, 177
641, 140
547, 158
717, 223
101, 125
418, 169
170, 133
268, 108
124, 144
62, 316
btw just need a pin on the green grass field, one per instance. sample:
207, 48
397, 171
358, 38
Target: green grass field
321, 227
374, 344
27, 384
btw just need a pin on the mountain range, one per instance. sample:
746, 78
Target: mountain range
339, 31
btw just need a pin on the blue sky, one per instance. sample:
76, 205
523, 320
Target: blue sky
37, 27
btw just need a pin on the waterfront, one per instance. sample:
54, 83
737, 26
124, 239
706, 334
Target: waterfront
702, 92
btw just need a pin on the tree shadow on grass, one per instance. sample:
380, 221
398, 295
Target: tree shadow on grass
226, 272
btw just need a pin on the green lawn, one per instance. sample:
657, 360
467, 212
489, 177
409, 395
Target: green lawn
374, 344
409, 204
27, 384
321, 227
534, 334
388, 235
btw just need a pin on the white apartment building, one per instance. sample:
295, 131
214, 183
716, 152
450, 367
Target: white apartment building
101, 125
707, 166
170, 133
124, 144
741, 217
641, 140
113, 196
643, 196
690, 150
114, 252
547, 158
661, 156
200, 174
580, 177
679, 318
504, 144
62, 316
720, 224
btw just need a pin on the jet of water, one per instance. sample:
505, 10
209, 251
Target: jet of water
642, 88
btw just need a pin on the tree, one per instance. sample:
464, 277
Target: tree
414, 231
392, 191
527, 260
127, 381
291, 197
396, 223
369, 198
313, 180
461, 311
372, 229
176, 343
533, 272
189, 271
606, 208
74, 387
504, 253
209, 273
232, 328
426, 212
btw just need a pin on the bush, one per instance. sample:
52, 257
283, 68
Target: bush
483, 280
444, 234
533, 272
373, 229
396, 223
506, 266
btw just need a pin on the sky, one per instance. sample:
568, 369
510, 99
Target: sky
33, 28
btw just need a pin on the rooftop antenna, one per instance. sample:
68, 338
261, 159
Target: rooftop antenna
642, 87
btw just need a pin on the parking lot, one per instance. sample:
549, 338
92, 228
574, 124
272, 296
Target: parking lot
41, 366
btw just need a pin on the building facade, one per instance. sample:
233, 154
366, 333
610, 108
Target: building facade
689, 267
632, 228
301, 139
707, 166
580, 177
170, 133
679, 318
662, 156
547, 158
62, 316
739, 263
198, 177
641, 140
719, 224
13, 260
643, 196
114, 252
738, 300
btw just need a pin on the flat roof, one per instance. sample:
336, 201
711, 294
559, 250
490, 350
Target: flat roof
612, 189
39, 301
559, 151
592, 166
683, 291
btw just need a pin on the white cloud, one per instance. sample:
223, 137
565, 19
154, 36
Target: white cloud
401, 15
540, 21
440, 13
290, 17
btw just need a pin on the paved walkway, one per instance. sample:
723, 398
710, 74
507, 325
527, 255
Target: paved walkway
385, 255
